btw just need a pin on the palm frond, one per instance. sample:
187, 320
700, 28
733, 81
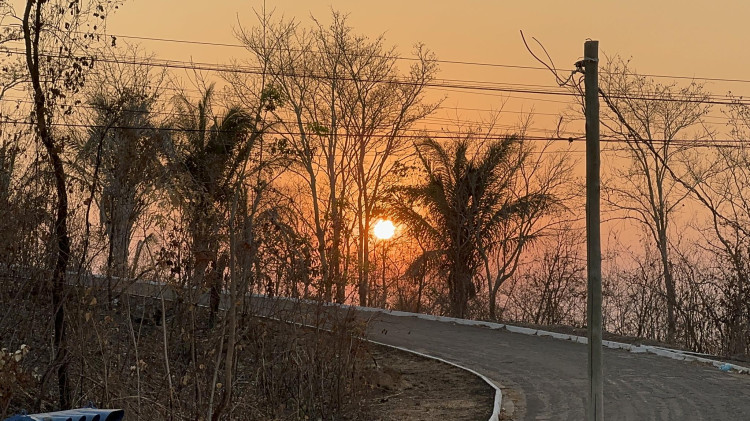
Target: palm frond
429, 260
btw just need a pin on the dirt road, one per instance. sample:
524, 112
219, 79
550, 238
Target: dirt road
546, 378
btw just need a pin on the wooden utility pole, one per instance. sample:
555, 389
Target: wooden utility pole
593, 225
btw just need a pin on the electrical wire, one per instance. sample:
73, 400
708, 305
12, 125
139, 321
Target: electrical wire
464, 85
459, 62
421, 134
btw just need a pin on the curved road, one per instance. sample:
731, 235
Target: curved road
546, 378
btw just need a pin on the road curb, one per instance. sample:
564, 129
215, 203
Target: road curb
498, 401
498, 393
636, 349
497, 405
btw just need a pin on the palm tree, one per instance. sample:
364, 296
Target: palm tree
120, 148
205, 156
466, 197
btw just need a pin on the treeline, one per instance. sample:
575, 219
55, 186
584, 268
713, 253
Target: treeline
675, 188
268, 177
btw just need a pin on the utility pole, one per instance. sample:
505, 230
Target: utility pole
593, 234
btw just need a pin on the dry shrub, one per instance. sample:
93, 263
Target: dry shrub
307, 372
13, 377
119, 358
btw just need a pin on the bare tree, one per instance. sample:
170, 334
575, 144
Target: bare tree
654, 120
721, 175
345, 110
378, 107
286, 53
633, 298
12, 67
550, 288
540, 174
57, 60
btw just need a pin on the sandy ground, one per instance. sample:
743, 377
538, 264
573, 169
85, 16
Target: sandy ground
407, 387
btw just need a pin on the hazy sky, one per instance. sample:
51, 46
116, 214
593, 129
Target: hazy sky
664, 36
688, 37
668, 37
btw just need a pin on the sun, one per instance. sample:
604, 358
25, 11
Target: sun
383, 229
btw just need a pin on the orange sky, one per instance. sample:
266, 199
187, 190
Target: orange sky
687, 37
675, 37
671, 37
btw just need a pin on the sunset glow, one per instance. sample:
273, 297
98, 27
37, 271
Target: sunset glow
383, 229
579, 168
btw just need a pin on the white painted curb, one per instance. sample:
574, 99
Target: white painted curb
636, 349
498, 394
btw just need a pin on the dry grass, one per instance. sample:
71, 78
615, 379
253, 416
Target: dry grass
168, 364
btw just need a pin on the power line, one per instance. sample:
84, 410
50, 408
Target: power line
242, 46
501, 96
420, 133
460, 62
448, 135
176, 64
434, 120
500, 110
369, 153
396, 81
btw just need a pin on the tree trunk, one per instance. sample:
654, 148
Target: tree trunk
62, 249
462, 291
493, 304
669, 287
232, 316
118, 208
364, 282
119, 237
738, 327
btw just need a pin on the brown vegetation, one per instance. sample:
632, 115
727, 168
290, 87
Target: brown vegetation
269, 179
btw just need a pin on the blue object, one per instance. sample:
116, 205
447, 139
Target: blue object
725, 367
81, 414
